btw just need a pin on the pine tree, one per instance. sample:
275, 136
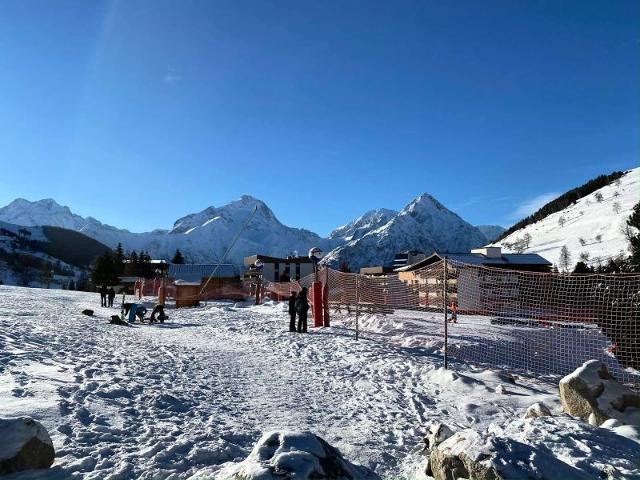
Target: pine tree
565, 258
344, 267
178, 259
118, 259
104, 270
582, 267
634, 238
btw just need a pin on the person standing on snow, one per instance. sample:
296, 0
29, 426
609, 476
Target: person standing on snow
103, 296
302, 307
111, 293
292, 312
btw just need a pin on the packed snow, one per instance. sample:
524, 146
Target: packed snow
192, 396
589, 227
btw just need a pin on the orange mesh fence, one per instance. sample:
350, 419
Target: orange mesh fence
535, 323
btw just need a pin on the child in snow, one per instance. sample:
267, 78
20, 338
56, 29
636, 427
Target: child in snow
302, 307
292, 312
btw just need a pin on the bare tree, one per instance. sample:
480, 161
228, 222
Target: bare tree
598, 196
526, 240
565, 259
616, 193
562, 221
582, 241
584, 257
616, 207
598, 238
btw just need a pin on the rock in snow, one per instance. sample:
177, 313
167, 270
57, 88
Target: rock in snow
296, 455
526, 449
591, 393
536, 410
24, 445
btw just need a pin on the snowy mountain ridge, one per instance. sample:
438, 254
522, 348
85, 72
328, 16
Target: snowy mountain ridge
424, 224
204, 236
591, 228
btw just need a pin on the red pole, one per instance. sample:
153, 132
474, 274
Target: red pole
325, 298
316, 303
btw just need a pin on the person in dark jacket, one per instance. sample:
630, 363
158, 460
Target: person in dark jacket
111, 294
302, 307
103, 296
292, 311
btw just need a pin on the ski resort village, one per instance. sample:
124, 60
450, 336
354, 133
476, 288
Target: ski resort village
413, 251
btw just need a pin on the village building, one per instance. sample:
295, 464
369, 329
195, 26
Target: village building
470, 288
277, 269
408, 257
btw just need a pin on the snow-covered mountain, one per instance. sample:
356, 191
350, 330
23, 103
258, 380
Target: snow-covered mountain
591, 227
424, 224
372, 239
359, 227
491, 232
202, 236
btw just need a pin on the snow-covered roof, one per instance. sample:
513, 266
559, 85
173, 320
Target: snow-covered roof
196, 272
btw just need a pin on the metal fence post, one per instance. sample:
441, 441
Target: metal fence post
357, 305
444, 308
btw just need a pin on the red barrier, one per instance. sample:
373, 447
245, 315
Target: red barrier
316, 303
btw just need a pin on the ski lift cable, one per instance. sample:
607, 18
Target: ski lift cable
246, 223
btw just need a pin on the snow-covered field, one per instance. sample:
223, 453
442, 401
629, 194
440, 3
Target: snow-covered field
191, 395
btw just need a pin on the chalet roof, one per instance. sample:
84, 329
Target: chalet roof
506, 259
196, 272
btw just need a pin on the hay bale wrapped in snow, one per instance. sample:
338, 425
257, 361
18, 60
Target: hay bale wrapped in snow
592, 394
24, 445
299, 455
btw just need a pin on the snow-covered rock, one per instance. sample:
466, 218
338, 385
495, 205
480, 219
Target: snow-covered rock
536, 410
424, 224
24, 445
295, 455
589, 228
438, 433
592, 394
543, 448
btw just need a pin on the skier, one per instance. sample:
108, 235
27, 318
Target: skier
302, 307
103, 296
292, 312
111, 293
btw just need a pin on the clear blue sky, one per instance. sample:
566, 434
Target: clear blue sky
138, 112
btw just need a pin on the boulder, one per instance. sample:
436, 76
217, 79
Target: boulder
25, 444
296, 455
544, 448
591, 393
537, 410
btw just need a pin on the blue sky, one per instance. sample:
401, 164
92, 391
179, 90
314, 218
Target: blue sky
140, 112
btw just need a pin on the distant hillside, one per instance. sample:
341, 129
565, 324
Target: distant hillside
491, 232
563, 201
27, 252
70, 246
591, 227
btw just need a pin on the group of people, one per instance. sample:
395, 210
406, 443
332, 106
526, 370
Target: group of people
298, 305
107, 295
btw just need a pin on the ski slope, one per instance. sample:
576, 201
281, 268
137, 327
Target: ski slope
598, 224
191, 397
